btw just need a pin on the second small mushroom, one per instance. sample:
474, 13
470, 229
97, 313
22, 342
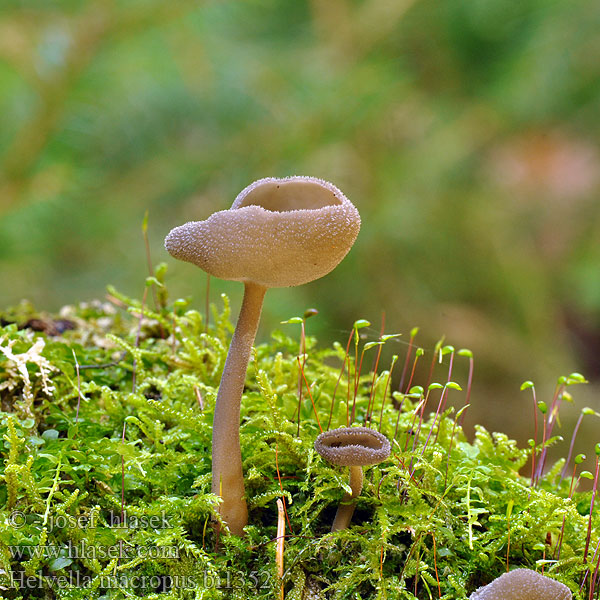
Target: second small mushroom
354, 447
523, 584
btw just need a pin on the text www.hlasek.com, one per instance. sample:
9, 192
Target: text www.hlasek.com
93, 552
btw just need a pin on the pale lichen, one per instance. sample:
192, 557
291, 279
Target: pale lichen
17, 372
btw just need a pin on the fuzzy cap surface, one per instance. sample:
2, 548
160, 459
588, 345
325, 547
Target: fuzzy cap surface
523, 584
277, 233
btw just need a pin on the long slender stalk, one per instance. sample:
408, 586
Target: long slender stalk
535, 434
417, 355
584, 411
545, 423
338, 382
444, 397
413, 334
371, 406
301, 350
594, 578
469, 383
594, 489
374, 369
555, 405
387, 384
578, 460
227, 475
419, 410
312, 400
435, 418
456, 418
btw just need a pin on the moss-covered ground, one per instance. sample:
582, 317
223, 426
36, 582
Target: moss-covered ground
106, 413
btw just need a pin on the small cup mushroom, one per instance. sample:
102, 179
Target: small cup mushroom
523, 584
354, 447
278, 233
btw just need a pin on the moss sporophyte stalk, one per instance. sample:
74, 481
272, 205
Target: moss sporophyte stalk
107, 429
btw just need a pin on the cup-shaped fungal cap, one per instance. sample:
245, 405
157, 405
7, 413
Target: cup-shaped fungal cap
277, 233
353, 446
523, 584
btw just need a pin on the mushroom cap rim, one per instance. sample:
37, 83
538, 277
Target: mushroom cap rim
323, 183
336, 447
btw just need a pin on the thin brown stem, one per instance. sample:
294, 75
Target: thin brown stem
345, 510
227, 475
387, 384
301, 350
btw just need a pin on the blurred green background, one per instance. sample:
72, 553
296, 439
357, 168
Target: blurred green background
465, 131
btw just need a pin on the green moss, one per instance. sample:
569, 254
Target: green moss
441, 516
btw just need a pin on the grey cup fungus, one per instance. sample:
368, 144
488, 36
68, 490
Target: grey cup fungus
354, 447
277, 233
523, 584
